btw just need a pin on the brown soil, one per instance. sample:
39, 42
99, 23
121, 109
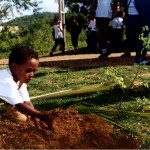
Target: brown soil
67, 130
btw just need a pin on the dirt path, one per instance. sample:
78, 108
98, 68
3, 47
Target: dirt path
68, 57
82, 60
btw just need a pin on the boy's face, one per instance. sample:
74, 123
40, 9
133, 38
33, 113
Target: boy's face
58, 22
25, 72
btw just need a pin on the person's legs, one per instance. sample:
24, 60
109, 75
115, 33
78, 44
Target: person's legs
54, 47
102, 26
62, 45
74, 40
138, 52
89, 44
94, 40
132, 32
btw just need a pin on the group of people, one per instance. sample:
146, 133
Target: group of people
74, 29
134, 17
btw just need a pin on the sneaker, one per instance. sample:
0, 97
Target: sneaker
144, 62
126, 55
104, 51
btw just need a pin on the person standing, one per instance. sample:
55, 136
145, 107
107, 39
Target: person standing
75, 30
133, 26
103, 15
143, 7
58, 37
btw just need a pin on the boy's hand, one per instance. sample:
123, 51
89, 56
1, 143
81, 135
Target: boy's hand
40, 124
47, 118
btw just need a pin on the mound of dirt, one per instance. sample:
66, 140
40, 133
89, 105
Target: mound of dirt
68, 129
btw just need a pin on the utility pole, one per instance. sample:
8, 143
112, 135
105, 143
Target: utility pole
62, 16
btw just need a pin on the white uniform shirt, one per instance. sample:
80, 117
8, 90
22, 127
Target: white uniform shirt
92, 25
131, 8
117, 23
104, 9
9, 91
58, 33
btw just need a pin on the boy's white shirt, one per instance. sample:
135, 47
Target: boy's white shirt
131, 8
104, 9
58, 32
9, 91
92, 25
117, 23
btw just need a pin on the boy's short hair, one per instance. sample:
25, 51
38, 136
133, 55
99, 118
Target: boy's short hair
120, 13
21, 54
56, 19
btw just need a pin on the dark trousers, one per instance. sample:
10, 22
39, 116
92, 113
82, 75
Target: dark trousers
92, 40
74, 39
102, 25
133, 29
60, 42
116, 39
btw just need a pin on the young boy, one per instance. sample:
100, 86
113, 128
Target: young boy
23, 62
58, 37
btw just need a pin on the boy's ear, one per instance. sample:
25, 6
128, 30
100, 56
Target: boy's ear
13, 65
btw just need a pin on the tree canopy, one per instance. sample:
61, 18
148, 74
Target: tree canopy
7, 7
84, 2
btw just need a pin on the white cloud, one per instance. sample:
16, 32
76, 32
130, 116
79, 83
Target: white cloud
49, 5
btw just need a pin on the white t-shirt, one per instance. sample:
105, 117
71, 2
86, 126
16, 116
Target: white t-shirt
92, 25
58, 33
9, 91
104, 9
117, 23
131, 8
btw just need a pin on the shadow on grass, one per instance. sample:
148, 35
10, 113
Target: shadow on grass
89, 63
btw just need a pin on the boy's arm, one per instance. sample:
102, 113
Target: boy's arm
28, 109
93, 6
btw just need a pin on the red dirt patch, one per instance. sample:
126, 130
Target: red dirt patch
68, 130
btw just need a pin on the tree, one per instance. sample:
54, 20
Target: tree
7, 7
83, 2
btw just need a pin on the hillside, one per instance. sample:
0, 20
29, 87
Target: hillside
29, 19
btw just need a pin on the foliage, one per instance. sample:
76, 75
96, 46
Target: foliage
85, 2
33, 29
145, 37
8, 7
27, 20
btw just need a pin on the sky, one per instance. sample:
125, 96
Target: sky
46, 6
